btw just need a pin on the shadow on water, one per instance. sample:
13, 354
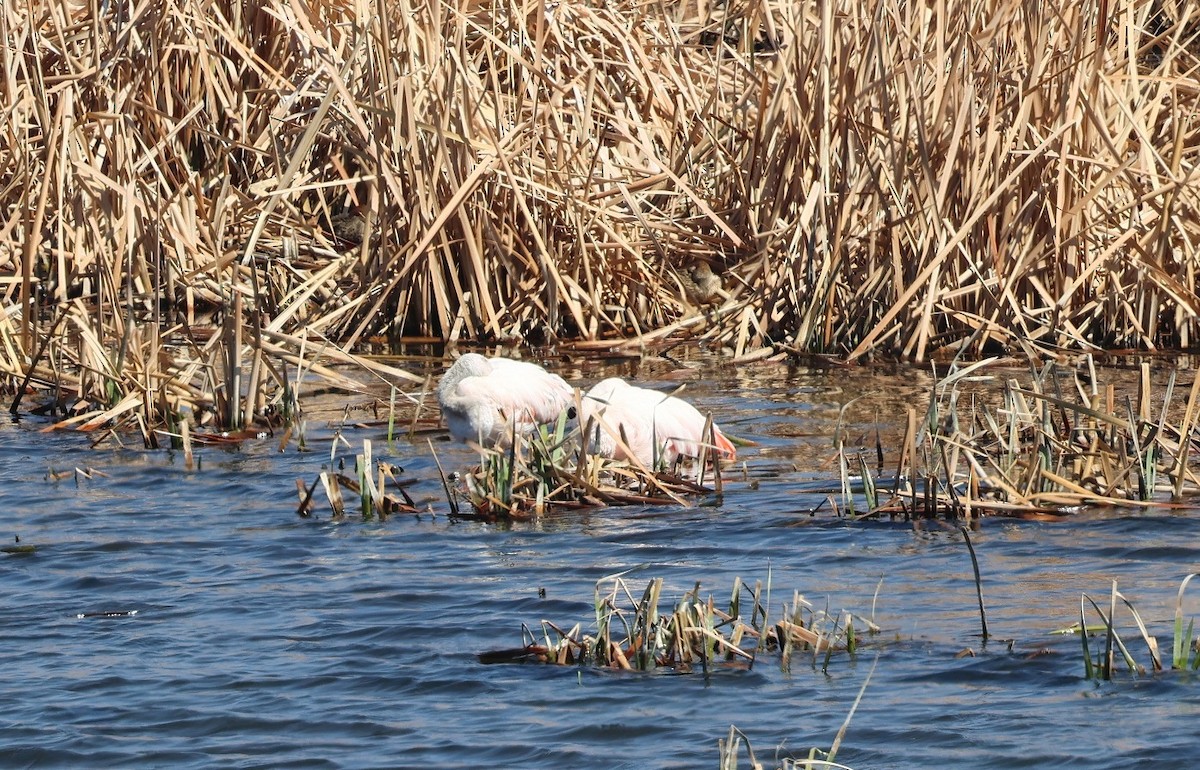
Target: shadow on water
220, 628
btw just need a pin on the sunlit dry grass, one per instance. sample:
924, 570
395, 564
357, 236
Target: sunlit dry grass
198, 196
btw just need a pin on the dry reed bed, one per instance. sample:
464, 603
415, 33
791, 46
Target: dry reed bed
195, 194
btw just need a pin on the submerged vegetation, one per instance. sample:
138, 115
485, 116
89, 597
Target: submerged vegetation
203, 200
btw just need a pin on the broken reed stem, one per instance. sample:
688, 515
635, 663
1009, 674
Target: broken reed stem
451, 500
186, 440
1185, 442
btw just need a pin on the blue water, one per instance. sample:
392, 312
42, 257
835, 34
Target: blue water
220, 629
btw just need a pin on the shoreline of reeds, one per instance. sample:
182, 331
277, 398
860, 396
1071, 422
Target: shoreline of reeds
200, 203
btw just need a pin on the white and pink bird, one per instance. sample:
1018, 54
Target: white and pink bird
654, 427
488, 399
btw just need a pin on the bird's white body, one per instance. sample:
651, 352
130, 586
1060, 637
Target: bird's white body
654, 425
487, 399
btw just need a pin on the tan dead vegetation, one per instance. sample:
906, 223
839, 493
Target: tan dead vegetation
202, 198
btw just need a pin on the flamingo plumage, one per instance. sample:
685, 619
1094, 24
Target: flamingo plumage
488, 399
654, 425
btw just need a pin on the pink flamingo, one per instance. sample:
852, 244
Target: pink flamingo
487, 399
654, 425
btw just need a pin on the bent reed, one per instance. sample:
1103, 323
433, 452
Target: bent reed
199, 196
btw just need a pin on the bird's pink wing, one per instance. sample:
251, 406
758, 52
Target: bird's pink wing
680, 426
480, 392
626, 423
527, 391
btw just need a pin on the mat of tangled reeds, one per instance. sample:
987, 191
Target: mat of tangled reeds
1045, 444
201, 196
693, 634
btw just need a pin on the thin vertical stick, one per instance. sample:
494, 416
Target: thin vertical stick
978, 582
718, 484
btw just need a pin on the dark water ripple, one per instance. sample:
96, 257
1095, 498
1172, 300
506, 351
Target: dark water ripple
220, 629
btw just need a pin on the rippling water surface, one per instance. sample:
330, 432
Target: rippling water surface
189, 618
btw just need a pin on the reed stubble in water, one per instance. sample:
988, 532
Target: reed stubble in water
1039, 446
693, 635
1185, 646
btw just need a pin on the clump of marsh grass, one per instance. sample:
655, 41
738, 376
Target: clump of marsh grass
1100, 663
370, 483
554, 469
1058, 442
643, 633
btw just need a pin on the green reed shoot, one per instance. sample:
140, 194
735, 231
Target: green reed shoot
1184, 644
370, 497
872, 499
1185, 652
